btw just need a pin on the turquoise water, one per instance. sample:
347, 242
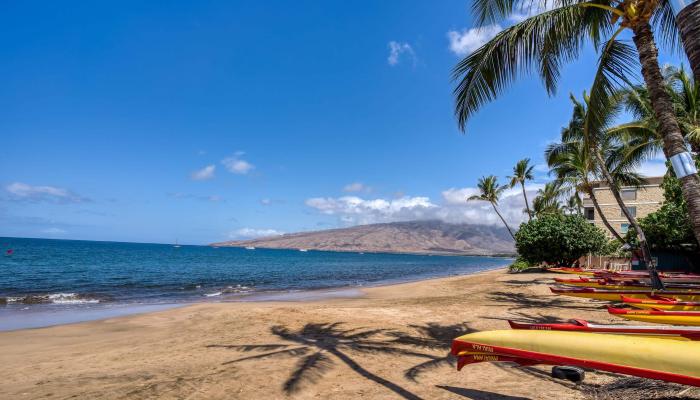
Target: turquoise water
70, 273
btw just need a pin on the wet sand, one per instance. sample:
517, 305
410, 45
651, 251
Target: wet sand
389, 344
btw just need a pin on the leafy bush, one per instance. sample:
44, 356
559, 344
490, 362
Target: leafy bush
613, 248
519, 265
558, 239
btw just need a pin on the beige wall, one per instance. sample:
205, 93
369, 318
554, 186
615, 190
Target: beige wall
649, 199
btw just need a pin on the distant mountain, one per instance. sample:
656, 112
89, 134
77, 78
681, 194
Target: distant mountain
433, 237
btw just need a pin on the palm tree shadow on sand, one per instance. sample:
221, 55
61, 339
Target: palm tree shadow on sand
319, 346
431, 336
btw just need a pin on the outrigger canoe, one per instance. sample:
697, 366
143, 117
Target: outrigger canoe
668, 360
687, 318
579, 325
662, 304
616, 295
621, 285
575, 271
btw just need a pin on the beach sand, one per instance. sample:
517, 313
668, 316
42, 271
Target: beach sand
390, 344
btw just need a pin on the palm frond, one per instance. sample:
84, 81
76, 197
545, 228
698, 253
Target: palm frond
541, 43
664, 22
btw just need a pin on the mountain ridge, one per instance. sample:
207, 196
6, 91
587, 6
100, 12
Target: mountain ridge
412, 237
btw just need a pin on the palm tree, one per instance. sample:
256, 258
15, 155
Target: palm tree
548, 199
574, 204
642, 134
572, 165
522, 172
688, 20
576, 160
491, 191
545, 41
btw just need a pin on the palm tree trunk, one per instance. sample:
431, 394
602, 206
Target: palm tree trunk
527, 206
503, 220
643, 245
666, 118
603, 218
688, 21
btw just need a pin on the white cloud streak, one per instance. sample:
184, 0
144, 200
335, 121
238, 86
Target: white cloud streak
204, 173
50, 194
397, 49
236, 165
468, 40
356, 187
253, 233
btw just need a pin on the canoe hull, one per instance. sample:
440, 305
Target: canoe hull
668, 360
685, 318
577, 325
616, 295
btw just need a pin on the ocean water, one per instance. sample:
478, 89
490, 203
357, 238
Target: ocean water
72, 275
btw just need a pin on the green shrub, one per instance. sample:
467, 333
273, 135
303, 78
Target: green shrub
558, 239
669, 227
519, 265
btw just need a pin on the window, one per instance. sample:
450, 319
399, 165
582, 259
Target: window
590, 213
632, 211
629, 194
624, 228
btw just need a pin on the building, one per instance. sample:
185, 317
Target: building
639, 201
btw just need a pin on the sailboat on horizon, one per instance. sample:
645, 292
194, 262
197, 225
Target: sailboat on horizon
176, 245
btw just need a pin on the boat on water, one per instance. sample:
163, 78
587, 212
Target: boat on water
176, 245
687, 318
579, 325
250, 247
616, 295
662, 304
663, 359
303, 250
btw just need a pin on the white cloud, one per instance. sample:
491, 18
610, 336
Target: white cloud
23, 191
529, 8
181, 195
453, 207
54, 231
252, 233
355, 210
465, 42
265, 202
396, 49
204, 173
236, 165
356, 187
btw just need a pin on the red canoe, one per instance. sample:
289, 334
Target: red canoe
658, 316
616, 295
579, 325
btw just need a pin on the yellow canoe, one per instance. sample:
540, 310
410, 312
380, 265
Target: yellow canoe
573, 271
685, 318
669, 360
616, 295
665, 305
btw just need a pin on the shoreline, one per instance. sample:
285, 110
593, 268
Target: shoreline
424, 253
50, 315
245, 350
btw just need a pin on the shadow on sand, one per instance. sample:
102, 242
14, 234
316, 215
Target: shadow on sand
520, 301
319, 346
479, 394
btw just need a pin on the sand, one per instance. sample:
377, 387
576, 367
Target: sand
389, 344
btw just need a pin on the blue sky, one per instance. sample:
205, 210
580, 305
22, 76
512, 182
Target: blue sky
204, 121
